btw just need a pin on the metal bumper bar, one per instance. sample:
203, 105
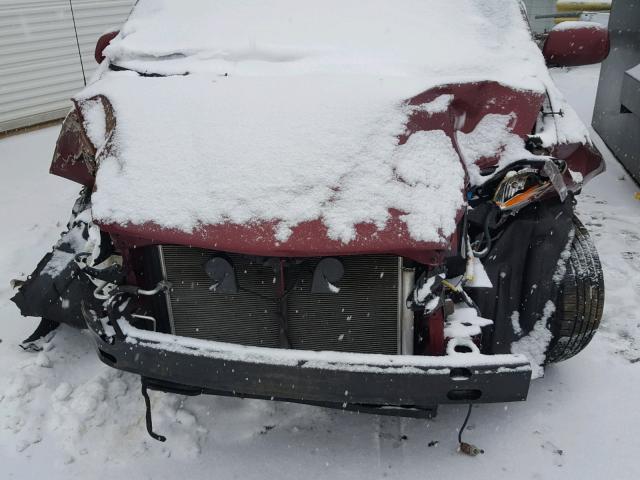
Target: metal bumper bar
320, 378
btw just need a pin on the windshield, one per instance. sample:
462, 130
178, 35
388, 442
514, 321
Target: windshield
455, 39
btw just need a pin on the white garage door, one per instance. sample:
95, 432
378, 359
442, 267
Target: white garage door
39, 62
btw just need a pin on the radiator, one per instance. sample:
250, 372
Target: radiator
364, 316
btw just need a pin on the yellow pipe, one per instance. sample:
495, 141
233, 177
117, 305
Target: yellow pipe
580, 6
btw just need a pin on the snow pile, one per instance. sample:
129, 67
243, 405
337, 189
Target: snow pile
357, 362
561, 267
559, 129
73, 242
439, 105
425, 291
492, 136
92, 405
576, 24
576, 177
464, 322
95, 122
515, 323
534, 345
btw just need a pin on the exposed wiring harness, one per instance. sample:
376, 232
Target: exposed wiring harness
486, 235
465, 297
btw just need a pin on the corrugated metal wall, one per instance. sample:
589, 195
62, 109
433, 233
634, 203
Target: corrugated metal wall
39, 62
616, 116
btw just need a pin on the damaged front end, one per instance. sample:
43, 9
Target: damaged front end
57, 288
373, 327
372, 333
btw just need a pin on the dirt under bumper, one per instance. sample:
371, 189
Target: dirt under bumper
384, 383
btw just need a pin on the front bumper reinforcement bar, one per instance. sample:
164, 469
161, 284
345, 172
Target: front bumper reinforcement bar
393, 384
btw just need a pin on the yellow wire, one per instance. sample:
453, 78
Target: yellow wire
449, 285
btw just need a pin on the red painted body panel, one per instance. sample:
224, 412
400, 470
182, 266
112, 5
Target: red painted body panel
102, 43
472, 101
584, 159
576, 46
435, 331
74, 155
308, 239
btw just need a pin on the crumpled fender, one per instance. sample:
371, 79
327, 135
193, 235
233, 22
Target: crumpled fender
56, 287
521, 266
74, 157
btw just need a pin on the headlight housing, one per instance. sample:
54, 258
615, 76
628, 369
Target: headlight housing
526, 183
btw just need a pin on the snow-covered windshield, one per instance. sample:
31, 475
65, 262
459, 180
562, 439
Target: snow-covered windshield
452, 40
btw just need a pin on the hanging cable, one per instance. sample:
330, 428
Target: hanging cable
487, 235
148, 419
465, 447
73, 17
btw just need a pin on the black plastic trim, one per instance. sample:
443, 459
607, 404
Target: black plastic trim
340, 386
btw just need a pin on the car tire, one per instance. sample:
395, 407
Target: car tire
580, 299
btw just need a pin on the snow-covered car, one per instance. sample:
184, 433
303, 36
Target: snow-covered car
361, 205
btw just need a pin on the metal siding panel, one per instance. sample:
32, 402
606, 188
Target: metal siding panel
630, 96
93, 19
39, 65
618, 128
540, 7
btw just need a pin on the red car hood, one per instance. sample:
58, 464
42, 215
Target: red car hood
471, 103
320, 115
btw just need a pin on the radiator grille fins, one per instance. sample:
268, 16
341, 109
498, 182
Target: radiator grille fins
244, 318
362, 317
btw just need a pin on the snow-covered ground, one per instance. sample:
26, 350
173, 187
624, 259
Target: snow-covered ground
65, 415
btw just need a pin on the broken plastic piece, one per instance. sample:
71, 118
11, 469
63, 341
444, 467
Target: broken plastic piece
470, 450
45, 327
221, 272
328, 271
427, 294
551, 170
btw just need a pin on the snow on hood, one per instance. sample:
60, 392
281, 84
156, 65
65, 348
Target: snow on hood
269, 150
292, 111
